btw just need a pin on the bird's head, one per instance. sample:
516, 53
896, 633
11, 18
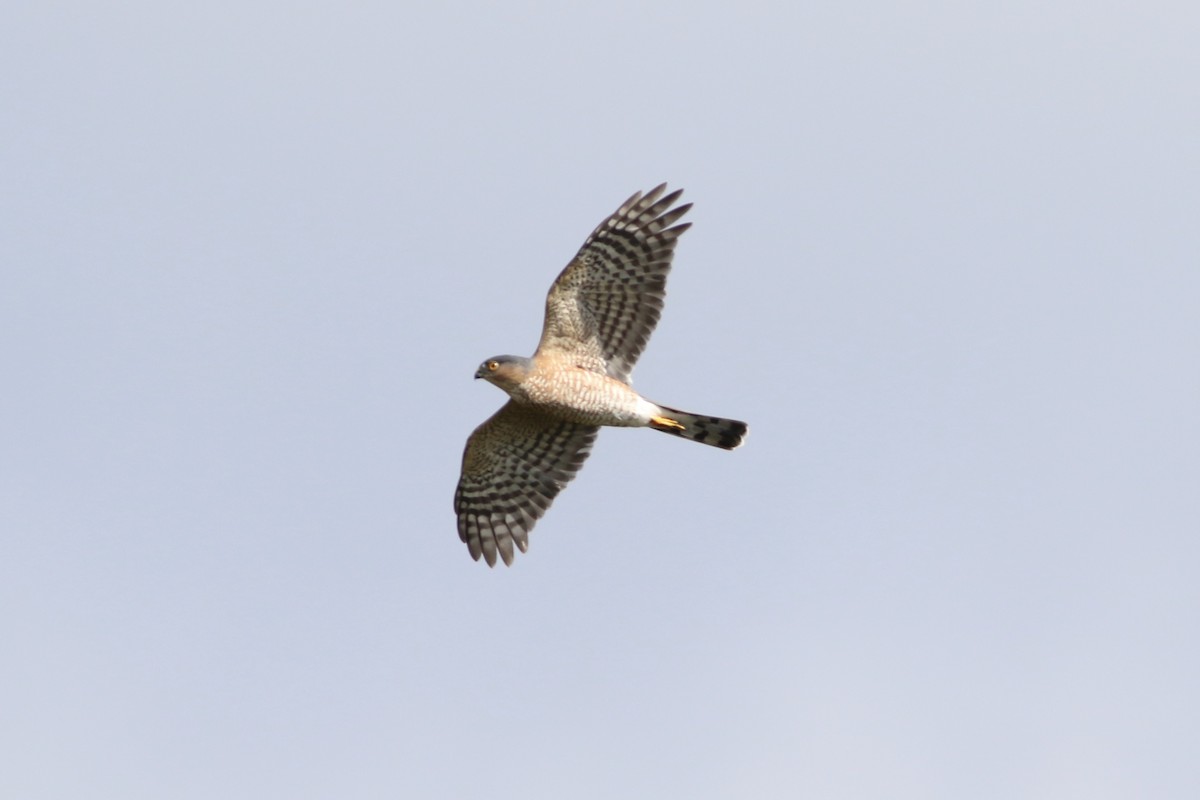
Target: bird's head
506, 372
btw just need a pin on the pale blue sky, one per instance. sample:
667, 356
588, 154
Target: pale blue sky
944, 261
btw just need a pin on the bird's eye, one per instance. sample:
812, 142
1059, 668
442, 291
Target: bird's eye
493, 366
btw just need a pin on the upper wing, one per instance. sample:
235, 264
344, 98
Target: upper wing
514, 465
603, 307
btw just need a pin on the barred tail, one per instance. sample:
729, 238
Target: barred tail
724, 433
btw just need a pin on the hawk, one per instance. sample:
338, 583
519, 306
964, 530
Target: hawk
600, 313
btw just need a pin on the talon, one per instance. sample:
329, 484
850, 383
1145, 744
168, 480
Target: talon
664, 422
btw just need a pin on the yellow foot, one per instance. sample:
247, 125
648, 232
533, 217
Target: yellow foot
663, 422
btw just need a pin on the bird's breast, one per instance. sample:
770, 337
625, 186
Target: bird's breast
584, 396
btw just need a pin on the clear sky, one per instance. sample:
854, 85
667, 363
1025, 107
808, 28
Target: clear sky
944, 261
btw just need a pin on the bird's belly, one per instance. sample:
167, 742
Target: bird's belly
588, 398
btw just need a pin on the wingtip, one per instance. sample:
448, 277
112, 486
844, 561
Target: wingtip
654, 193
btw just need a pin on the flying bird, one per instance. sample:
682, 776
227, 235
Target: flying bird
600, 313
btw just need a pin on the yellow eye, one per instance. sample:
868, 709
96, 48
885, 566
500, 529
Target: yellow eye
493, 366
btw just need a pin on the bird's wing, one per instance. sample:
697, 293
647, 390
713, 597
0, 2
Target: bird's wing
604, 305
513, 466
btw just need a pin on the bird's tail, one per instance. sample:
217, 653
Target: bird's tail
724, 433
